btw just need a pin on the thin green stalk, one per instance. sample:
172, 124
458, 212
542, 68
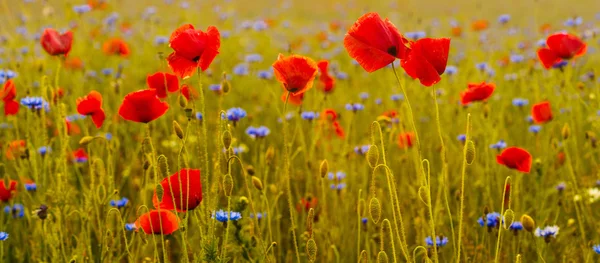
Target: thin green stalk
204, 134
224, 251
462, 187
286, 146
502, 222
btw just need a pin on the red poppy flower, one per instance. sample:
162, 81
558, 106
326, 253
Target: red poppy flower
158, 222
330, 114
295, 72
58, 94
16, 149
72, 128
193, 48
98, 4
294, 99
91, 105
327, 81
480, 25
426, 60
374, 43
390, 114
162, 82
80, 155
515, 158
8, 96
405, 140
188, 92
560, 46
339, 131
116, 46
6, 193
541, 112
477, 92
142, 106
181, 190
55, 43
306, 204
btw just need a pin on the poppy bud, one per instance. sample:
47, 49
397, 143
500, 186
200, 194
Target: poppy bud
227, 139
509, 217
147, 146
86, 140
382, 257
189, 113
177, 129
528, 223
311, 250
242, 204
257, 183
160, 191
375, 209
361, 206
518, 260
324, 168
470, 152
182, 101
163, 166
309, 221
566, 131
41, 212
250, 170
228, 184
270, 155
486, 110
225, 86
223, 163
373, 156
364, 258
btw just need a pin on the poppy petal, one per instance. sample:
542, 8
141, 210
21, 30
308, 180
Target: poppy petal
142, 106
98, 118
435, 51
541, 112
180, 30
547, 57
158, 222
211, 49
181, 66
182, 191
162, 82
11, 107
565, 45
368, 57
295, 72
515, 158
90, 103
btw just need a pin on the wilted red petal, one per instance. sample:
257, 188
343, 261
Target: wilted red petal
55, 43
158, 222
541, 112
142, 106
181, 190
515, 158
116, 46
405, 140
15, 149
295, 72
477, 92
162, 82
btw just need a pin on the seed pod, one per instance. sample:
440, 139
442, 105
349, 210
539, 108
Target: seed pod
518, 260
373, 156
223, 163
566, 131
309, 221
528, 223
257, 183
189, 113
324, 168
375, 209
177, 129
147, 146
250, 169
270, 155
228, 184
509, 217
163, 166
225, 86
227, 139
159, 191
361, 207
146, 164
364, 258
311, 250
470, 152
182, 101
382, 257
86, 140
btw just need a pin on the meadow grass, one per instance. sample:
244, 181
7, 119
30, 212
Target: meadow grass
390, 198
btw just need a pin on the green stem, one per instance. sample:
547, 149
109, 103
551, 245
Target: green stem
462, 188
286, 146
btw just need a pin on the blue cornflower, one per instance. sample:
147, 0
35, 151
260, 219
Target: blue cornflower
111, 19
503, 19
341, 75
10, 74
258, 132
363, 95
221, 216
130, 227
30, 187
80, 9
160, 40
75, 117
265, 74
462, 137
482, 66
214, 87
44, 150
235, 114
516, 226
491, 220
225, 34
547, 232
560, 65
490, 72
362, 149
108, 136
107, 71
184, 5
259, 215
339, 175
397, 97
440, 241
35, 103
561, 186
259, 25
21, 30
451, 70
529, 119
515, 58
355, 107
5, 125
596, 249
253, 58
541, 43
520, 102
339, 186
309, 115
17, 210
498, 145
574, 21
364, 220
119, 203
241, 69
535, 129
415, 35
3, 236
24, 50
288, 116
378, 101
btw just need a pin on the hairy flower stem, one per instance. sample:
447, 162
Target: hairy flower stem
287, 166
462, 188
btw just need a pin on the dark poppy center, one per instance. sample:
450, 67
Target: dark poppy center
196, 58
392, 50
